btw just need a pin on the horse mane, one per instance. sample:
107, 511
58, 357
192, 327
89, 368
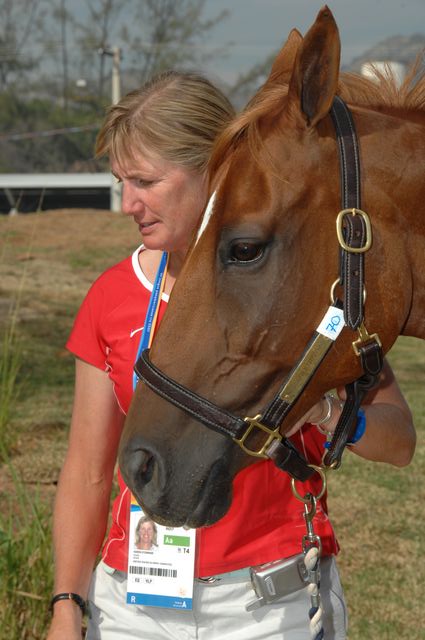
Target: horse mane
379, 92
383, 91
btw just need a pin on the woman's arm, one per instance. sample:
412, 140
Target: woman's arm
389, 436
83, 494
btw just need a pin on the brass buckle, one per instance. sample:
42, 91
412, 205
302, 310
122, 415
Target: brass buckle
254, 423
364, 336
339, 221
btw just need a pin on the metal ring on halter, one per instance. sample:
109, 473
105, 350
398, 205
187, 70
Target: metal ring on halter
322, 474
334, 286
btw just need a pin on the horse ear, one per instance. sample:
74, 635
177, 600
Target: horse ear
314, 79
284, 62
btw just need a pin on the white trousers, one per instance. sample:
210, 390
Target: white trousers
218, 612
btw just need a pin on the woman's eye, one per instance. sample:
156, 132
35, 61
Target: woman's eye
246, 251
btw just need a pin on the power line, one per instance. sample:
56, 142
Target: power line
50, 132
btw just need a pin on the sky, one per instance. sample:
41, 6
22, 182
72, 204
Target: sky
258, 27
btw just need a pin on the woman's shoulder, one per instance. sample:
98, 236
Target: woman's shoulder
119, 270
114, 284
121, 275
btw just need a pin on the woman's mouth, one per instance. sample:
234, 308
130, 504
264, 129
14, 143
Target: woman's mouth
146, 226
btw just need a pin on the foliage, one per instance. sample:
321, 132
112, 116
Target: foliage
247, 83
55, 70
19, 21
68, 147
172, 34
25, 563
10, 361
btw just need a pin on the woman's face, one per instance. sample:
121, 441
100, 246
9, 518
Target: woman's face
146, 532
166, 200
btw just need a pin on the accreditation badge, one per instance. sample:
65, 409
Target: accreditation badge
161, 563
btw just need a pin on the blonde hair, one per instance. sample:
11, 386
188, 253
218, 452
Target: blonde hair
143, 520
175, 115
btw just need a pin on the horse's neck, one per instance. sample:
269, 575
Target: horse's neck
415, 325
415, 234
404, 203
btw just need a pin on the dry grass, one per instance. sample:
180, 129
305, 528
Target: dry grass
49, 260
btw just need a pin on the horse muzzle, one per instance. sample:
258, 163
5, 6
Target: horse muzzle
157, 486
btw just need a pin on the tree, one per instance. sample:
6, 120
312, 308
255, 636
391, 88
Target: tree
18, 23
62, 15
172, 31
51, 124
247, 83
96, 36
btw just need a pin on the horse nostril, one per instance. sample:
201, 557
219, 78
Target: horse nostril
137, 466
147, 467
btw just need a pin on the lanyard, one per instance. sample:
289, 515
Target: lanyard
163, 575
152, 312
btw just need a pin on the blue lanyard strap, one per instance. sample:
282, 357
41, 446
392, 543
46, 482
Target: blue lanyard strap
152, 312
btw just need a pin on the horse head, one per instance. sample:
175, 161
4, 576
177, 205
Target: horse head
259, 275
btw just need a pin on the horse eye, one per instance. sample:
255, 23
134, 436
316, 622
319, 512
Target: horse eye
246, 251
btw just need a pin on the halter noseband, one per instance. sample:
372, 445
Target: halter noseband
355, 238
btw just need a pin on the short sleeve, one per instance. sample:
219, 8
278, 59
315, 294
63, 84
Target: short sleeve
86, 340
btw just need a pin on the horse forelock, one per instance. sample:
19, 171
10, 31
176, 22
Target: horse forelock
246, 126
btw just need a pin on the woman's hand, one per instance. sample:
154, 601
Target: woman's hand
389, 435
325, 414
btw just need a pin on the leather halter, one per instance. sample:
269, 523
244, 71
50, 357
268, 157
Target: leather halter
354, 236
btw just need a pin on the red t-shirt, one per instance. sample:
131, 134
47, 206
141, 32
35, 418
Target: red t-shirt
265, 521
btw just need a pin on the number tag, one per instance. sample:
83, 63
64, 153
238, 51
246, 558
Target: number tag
332, 323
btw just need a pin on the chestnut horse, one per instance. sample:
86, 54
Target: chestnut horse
257, 279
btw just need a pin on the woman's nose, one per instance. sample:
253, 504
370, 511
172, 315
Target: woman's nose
130, 203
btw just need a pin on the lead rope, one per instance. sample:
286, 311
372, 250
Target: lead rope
312, 549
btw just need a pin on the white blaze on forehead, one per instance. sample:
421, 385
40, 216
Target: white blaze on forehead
207, 215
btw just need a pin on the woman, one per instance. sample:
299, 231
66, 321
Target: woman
146, 534
159, 140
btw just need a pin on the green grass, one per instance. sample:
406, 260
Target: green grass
377, 513
46, 265
10, 362
25, 563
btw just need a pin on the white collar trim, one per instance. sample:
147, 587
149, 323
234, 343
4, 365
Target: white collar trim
140, 275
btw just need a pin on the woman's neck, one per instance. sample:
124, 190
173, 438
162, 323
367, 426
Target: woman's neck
175, 263
149, 261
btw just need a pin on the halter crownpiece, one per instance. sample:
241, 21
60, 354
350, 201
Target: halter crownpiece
355, 238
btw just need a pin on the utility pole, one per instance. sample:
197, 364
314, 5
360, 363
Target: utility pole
115, 54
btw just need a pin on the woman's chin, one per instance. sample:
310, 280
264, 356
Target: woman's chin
152, 243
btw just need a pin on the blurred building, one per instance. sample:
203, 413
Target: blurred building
27, 192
